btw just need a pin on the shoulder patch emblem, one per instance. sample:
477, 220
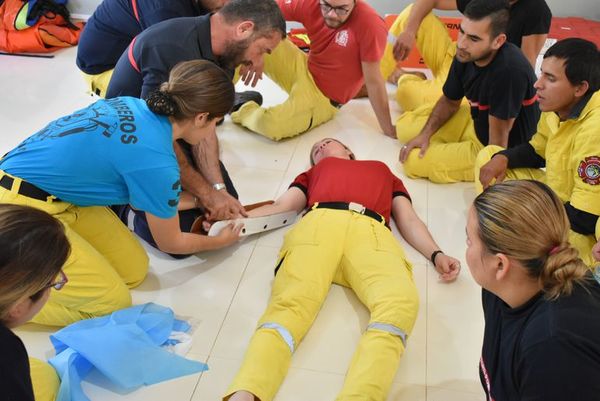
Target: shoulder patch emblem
589, 170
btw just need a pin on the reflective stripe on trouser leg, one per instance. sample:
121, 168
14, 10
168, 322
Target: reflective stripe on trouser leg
376, 269
486, 154
305, 108
283, 332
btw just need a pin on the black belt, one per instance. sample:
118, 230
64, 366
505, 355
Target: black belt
335, 104
355, 207
26, 189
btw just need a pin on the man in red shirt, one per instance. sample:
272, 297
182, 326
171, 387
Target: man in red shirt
348, 39
343, 239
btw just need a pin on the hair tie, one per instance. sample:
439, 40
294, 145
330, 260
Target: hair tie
556, 249
162, 103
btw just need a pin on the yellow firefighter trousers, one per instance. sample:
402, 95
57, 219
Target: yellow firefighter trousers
306, 106
105, 261
353, 250
436, 48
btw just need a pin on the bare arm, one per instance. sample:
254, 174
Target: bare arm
419, 10
169, 237
499, 131
378, 97
531, 46
415, 232
219, 205
442, 111
292, 199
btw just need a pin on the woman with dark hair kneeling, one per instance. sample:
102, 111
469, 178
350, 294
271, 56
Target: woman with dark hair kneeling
117, 151
540, 301
34, 249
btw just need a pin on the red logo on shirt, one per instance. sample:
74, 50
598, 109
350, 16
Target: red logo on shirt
589, 170
341, 38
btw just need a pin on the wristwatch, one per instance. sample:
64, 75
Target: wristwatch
219, 186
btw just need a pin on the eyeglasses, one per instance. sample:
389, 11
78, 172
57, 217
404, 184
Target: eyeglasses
339, 10
58, 283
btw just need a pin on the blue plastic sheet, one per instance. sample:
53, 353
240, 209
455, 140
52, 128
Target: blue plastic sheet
125, 347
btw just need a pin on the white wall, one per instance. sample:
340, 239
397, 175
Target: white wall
560, 8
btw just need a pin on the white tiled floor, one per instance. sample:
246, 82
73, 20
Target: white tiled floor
226, 291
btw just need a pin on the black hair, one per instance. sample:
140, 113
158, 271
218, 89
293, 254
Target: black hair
265, 14
581, 60
496, 10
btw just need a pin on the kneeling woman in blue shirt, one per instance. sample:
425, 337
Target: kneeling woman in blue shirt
117, 151
540, 301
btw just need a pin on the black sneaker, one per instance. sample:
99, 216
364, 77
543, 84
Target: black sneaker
244, 97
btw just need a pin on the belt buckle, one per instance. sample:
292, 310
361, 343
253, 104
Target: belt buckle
356, 207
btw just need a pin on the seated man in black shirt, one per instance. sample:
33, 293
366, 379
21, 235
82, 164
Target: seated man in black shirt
540, 301
528, 27
496, 79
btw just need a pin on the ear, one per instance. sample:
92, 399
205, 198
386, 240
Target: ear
581, 88
201, 119
15, 313
499, 41
502, 266
244, 30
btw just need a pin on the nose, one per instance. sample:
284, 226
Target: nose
331, 13
538, 84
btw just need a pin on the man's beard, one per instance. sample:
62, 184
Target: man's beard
234, 54
471, 59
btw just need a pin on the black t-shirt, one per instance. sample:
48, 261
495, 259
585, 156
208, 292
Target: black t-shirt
115, 23
15, 375
527, 17
543, 350
503, 89
156, 51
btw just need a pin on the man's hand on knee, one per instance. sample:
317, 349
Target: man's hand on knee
494, 169
420, 141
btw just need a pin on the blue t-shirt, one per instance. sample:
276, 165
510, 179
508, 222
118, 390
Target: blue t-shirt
112, 152
114, 24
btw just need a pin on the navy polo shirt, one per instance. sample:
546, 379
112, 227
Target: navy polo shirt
147, 61
116, 22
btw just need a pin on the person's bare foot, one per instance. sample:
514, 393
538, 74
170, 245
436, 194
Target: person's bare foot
398, 72
242, 395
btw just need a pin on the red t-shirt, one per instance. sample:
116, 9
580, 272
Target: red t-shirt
368, 182
335, 54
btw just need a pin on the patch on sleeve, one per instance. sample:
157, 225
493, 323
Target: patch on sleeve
589, 170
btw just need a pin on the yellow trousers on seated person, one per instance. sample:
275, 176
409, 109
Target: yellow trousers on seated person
44, 379
306, 106
452, 150
98, 83
436, 48
583, 243
105, 261
353, 250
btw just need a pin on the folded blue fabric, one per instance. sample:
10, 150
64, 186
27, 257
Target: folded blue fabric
125, 347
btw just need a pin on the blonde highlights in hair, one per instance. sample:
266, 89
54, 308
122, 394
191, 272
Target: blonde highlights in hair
526, 221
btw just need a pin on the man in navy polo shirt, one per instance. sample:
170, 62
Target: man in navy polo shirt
116, 22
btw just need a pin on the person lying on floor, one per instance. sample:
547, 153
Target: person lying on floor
344, 238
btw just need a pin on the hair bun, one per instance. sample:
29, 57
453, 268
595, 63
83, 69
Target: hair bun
162, 103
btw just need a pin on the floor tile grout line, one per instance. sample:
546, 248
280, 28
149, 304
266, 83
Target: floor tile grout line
225, 316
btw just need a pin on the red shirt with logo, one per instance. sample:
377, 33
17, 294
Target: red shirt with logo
336, 54
368, 182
